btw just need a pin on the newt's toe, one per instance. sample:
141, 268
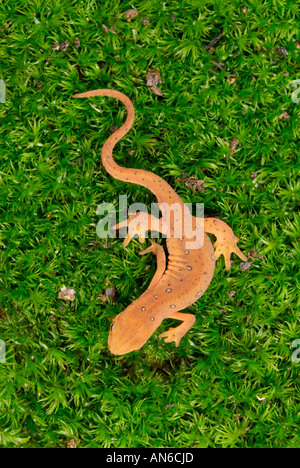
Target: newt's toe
227, 248
170, 335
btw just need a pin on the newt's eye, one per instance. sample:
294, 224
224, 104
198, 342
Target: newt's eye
111, 326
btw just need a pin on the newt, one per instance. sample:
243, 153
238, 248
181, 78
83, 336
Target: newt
181, 278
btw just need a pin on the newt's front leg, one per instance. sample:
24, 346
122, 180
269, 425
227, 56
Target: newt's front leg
226, 242
175, 334
139, 224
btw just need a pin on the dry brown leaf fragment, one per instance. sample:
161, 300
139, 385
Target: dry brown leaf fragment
152, 78
283, 51
156, 90
210, 46
77, 42
107, 30
71, 443
63, 46
253, 254
67, 294
114, 128
192, 182
112, 29
218, 65
284, 115
233, 145
129, 14
145, 21
79, 69
110, 293
56, 46
244, 266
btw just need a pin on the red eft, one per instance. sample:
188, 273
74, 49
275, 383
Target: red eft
182, 280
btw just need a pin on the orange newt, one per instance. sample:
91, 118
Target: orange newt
189, 271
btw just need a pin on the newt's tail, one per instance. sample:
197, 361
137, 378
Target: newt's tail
153, 182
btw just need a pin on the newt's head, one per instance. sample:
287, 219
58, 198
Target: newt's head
130, 330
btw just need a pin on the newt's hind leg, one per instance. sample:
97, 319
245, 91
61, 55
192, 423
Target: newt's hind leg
158, 250
175, 334
139, 224
226, 242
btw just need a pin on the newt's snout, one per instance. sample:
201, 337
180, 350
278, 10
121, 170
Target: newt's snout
130, 330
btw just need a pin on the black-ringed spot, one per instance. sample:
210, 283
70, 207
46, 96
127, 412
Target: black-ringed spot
212, 257
143, 309
189, 268
152, 319
172, 306
155, 296
199, 293
168, 290
186, 252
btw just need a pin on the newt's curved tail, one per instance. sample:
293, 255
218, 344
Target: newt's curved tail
159, 187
